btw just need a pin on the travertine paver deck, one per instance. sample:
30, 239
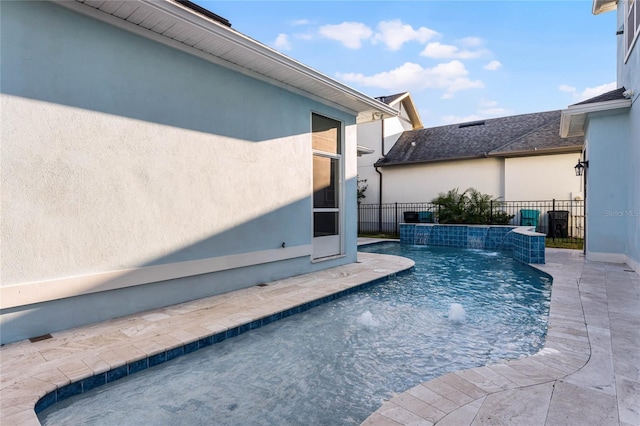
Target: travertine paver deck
587, 374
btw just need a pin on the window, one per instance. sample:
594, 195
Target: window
631, 25
327, 186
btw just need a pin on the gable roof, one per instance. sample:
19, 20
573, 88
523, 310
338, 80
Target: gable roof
405, 100
518, 135
197, 31
389, 99
574, 118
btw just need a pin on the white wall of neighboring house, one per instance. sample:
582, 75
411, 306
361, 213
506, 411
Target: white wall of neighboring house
370, 135
422, 182
542, 177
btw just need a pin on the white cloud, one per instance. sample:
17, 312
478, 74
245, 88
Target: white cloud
567, 88
437, 50
588, 92
591, 92
451, 77
485, 109
493, 65
394, 34
472, 42
282, 42
351, 34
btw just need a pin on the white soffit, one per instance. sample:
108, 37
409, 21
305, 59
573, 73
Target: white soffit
601, 6
364, 150
175, 25
572, 119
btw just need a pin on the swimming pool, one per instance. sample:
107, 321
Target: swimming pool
335, 363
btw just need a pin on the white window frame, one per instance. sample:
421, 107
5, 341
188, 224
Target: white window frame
631, 26
324, 248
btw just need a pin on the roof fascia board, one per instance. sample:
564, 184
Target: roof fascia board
533, 153
411, 109
440, 160
399, 99
598, 106
92, 12
578, 110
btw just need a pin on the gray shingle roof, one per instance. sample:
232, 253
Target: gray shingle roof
613, 95
390, 98
526, 134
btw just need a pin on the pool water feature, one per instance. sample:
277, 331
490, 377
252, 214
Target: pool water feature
522, 242
335, 363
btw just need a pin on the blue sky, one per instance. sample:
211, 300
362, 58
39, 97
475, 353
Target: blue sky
461, 60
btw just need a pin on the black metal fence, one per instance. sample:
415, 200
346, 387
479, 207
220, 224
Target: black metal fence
558, 219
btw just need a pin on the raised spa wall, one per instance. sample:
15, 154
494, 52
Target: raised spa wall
522, 242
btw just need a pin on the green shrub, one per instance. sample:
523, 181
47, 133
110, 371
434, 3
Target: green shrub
451, 206
470, 207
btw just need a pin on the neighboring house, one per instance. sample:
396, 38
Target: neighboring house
151, 155
377, 137
610, 125
516, 158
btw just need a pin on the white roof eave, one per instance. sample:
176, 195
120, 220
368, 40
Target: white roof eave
183, 28
573, 118
601, 6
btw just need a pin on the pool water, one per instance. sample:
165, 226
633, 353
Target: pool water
335, 364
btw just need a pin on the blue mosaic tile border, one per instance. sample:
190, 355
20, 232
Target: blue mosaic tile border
527, 247
133, 367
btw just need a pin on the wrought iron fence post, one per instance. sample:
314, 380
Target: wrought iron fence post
491, 213
553, 209
397, 228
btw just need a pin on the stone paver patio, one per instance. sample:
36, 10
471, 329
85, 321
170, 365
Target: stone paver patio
587, 374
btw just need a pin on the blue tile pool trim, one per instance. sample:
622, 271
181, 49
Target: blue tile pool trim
133, 367
523, 244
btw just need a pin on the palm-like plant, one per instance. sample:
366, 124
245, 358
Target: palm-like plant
451, 206
470, 206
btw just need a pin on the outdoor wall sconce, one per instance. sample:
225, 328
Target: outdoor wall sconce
580, 167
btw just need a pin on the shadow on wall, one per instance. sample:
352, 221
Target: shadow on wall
94, 66
246, 255
58, 57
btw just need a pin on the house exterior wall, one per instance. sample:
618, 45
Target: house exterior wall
422, 182
629, 77
613, 178
369, 135
136, 176
607, 149
542, 177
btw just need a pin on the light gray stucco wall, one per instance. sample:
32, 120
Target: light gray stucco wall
119, 153
607, 141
